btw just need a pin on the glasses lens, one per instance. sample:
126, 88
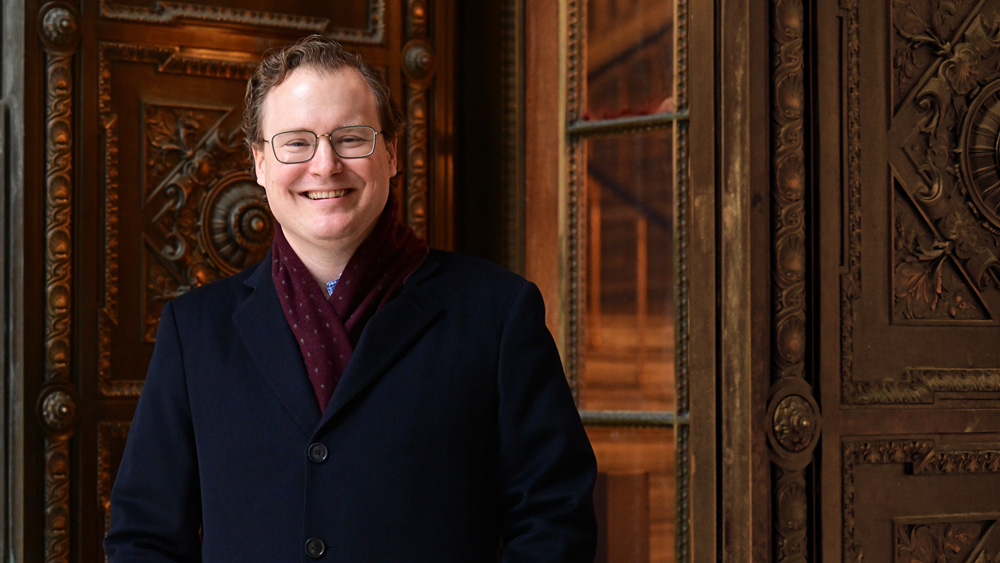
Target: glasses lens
294, 146
353, 142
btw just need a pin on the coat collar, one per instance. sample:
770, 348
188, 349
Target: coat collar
272, 346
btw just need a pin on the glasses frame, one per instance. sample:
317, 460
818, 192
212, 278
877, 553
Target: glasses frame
316, 143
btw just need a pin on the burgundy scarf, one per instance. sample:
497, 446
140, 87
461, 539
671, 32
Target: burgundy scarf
328, 328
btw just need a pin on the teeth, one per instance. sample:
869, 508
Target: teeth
327, 195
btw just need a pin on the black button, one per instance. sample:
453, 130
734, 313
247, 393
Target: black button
315, 548
317, 452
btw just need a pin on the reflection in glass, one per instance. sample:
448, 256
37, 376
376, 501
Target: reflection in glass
635, 494
628, 321
629, 58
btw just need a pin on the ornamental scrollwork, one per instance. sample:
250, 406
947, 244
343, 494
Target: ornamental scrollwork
947, 169
933, 542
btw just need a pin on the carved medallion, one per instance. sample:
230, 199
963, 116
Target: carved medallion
794, 423
237, 225
980, 159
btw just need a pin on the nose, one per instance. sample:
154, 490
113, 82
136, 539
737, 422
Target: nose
325, 161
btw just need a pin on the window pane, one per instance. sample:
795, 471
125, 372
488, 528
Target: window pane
628, 321
629, 58
635, 494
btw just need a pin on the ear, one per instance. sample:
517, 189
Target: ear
390, 147
258, 163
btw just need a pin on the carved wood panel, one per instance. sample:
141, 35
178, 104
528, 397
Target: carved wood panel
148, 194
907, 268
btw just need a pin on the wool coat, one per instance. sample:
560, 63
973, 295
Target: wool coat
451, 436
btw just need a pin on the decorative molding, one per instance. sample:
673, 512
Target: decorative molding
108, 432
573, 280
512, 132
682, 457
419, 63
209, 218
920, 385
874, 452
416, 18
793, 412
57, 410
958, 461
850, 280
171, 13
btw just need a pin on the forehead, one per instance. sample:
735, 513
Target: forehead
314, 98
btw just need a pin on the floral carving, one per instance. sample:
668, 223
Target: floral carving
947, 249
926, 285
923, 31
940, 542
208, 218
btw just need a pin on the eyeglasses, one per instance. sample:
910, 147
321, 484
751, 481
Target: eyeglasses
293, 147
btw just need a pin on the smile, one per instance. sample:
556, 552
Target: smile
326, 195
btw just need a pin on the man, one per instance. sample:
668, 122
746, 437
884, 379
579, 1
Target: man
354, 397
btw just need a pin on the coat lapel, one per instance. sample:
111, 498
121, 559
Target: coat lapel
272, 346
388, 334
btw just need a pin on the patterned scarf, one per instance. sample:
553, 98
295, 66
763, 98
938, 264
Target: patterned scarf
328, 328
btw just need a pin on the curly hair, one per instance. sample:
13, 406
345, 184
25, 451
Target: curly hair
319, 53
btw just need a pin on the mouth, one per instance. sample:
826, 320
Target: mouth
333, 194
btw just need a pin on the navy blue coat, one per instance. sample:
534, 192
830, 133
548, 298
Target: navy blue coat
451, 432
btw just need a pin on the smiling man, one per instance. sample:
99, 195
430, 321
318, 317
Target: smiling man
355, 396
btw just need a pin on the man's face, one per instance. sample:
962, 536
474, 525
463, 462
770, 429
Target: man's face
327, 203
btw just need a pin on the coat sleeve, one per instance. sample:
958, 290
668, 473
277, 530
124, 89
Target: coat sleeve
547, 466
155, 512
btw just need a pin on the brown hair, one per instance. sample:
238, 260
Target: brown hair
315, 52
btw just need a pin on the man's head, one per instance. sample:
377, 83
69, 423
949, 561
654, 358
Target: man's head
322, 54
313, 114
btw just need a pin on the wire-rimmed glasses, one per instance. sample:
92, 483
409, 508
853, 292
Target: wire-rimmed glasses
293, 147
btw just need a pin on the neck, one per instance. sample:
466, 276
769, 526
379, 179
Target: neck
324, 263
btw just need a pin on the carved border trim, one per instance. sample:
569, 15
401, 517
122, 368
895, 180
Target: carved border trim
57, 410
682, 459
419, 62
574, 218
793, 412
512, 132
168, 59
850, 280
107, 431
172, 12
924, 460
874, 452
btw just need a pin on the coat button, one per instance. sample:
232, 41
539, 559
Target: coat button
317, 452
315, 548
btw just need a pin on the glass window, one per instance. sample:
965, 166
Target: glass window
626, 134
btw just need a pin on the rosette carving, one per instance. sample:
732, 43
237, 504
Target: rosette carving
237, 226
58, 411
59, 27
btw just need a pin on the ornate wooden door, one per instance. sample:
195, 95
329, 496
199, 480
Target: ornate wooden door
907, 231
144, 192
